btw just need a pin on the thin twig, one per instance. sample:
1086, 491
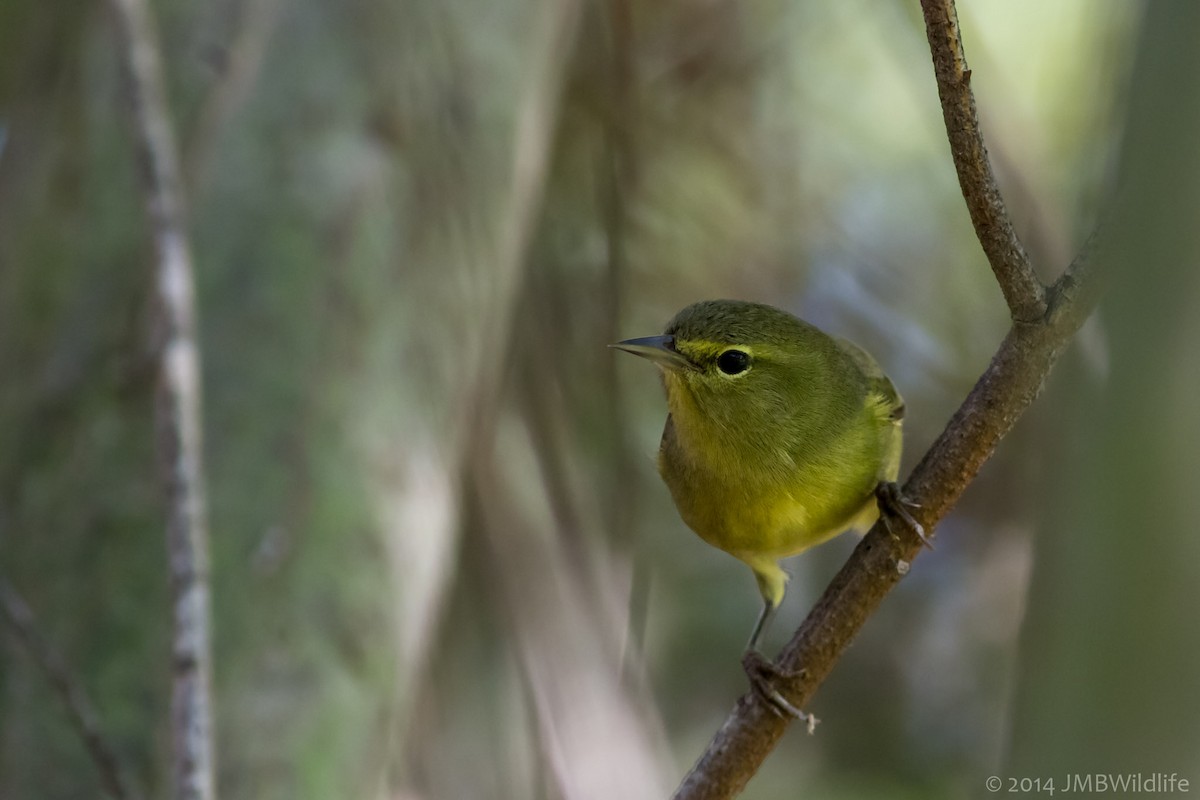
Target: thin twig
178, 403
1043, 324
80, 710
1024, 293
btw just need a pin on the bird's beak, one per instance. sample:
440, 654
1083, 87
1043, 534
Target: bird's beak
659, 349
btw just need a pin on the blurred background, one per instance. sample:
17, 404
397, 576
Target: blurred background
443, 565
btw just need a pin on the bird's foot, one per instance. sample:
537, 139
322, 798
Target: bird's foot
763, 674
894, 504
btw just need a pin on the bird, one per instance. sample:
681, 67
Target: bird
778, 437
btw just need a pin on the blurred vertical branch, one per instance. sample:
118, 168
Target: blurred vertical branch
511, 326
1109, 635
178, 402
1044, 322
586, 721
114, 775
620, 169
533, 135
239, 66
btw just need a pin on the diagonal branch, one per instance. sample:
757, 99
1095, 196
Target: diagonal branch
1044, 323
1023, 291
177, 406
82, 713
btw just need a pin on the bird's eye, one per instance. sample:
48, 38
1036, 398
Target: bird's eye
733, 362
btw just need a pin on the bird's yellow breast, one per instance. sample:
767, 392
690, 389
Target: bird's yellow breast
765, 501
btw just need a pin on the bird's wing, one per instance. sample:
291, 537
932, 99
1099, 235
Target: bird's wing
880, 386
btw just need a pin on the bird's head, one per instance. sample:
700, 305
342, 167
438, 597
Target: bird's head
737, 364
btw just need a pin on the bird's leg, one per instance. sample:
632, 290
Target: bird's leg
764, 620
894, 504
763, 673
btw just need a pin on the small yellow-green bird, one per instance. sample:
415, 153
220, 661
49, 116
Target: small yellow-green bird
778, 438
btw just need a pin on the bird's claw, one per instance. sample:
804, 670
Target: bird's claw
763, 674
894, 504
